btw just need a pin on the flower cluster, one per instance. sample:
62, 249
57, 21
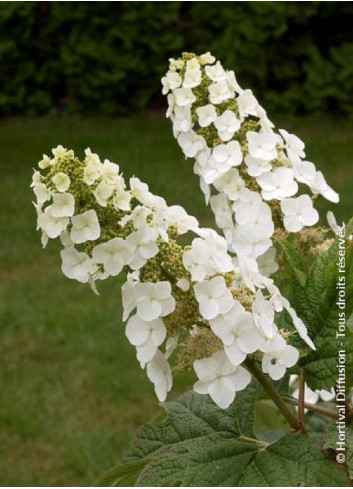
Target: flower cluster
195, 299
249, 173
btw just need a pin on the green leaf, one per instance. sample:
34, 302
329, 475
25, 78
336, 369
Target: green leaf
197, 444
194, 416
291, 461
123, 475
293, 261
294, 460
331, 438
323, 319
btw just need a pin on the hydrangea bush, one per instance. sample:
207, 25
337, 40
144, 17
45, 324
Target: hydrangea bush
252, 310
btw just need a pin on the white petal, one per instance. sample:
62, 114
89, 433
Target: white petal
222, 392
137, 331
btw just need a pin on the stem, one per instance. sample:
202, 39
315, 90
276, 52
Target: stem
312, 407
254, 440
301, 400
272, 392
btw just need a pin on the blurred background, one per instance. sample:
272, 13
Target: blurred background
88, 74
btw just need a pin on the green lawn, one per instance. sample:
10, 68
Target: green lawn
72, 391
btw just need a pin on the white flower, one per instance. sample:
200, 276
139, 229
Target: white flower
184, 96
304, 171
177, 216
267, 262
160, 374
45, 162
102, 193
110, 173
139, 216
207, 58
295, 146
42, 192
60, 152
171, 81
251, 241
213, 297
327, 396
262, 145
127, 294
227, 124
227, 155
191, 143
247, 104
277, 300
266, 124
192, 64
216, 72
91, 173
36, 178
92, 158
140, 191
196, 260
206, 115
121, 199
63, 205
224, 157
192, 78
232, 82
300, 327
61, 181
219, 92
278, 357
146, 336
222, 211
182, 119
207, 256
171, 105
143, 245
77, 265
278, 184
220, 379
51, 225
331, 220
320, 187
219, 260
66, 240
250, 209
298, 213
237, 331
85, 227
230, 183
113, 254
256, 166
153, 300
264, 315
250, 275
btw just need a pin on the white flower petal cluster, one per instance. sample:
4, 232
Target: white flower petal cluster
214, 297
310, 396
278, 357
220, 379
275, 162
298, 212
207, 256
238, 333
249, 174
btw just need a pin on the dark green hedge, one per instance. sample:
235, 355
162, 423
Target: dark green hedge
108, 57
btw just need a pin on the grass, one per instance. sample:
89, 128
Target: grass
72, 391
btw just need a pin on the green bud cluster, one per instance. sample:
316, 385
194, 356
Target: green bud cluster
200, 343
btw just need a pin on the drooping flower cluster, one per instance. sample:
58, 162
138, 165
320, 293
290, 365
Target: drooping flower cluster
175, 296
249, 173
